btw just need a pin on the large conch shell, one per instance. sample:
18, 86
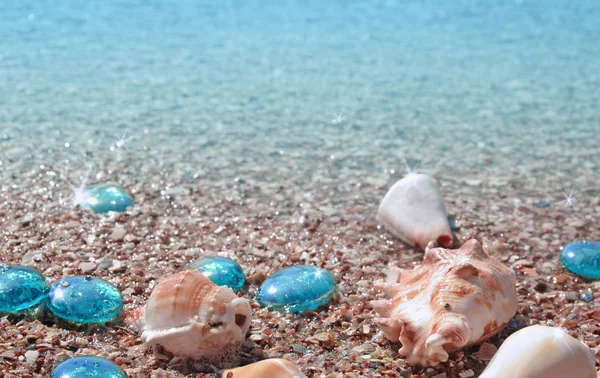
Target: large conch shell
271, 368
413, 210
454, 299
190, 316
542, 352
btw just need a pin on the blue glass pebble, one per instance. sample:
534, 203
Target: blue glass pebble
582, 258
222, 271
452, 224
88, 367
297, 289
106, 197
541, 204
21, 288
82, 299
587, 296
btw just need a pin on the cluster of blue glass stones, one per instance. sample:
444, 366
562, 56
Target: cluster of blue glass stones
76, 299
84, 299
294, 289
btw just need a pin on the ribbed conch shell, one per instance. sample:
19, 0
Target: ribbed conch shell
190, 316
271, 368
542, 352
455, 298
413, 210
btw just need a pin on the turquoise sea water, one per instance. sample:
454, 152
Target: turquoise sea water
314, 89
364, 83
197, 63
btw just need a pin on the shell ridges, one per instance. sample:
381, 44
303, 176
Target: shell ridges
455, 298
189, 315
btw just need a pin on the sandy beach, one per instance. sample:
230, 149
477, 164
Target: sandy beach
273, 143
294, 208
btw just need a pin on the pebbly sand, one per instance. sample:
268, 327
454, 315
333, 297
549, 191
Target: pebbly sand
268, 202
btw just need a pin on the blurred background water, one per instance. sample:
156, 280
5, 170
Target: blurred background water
372, 80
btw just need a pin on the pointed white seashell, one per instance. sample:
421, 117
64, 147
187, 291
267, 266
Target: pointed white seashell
271, 368
413, 210
190, 316
542, 352
456, 298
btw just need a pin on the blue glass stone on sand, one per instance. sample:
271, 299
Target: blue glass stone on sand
297, 289
582, 258
222, 271
84, 300
88, 367
21, 288
541, 204
587, 296
106, 197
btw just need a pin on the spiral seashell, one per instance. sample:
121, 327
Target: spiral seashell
542, 352
271, 368
190, 316
413, 210
454, 299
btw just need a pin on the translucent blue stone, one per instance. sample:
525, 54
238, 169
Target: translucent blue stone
582, 258
541, 204
21, 288
297, 289
82, 299
587, 296
88, 367
222, 271
105, 198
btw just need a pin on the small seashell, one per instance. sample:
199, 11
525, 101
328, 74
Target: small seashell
454, 299
486, 352
413, 210
190, 316
542, 352
271, 368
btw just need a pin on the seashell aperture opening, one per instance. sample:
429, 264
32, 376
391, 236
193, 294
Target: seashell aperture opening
190, 316
454, 299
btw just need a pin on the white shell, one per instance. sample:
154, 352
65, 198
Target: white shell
456, 298
542, 352
413, 210
190, 316
271, 368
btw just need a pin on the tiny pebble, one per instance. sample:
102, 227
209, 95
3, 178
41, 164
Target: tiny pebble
31, 356
117, 266
118, 233
105, 263
87, 267
541, 287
